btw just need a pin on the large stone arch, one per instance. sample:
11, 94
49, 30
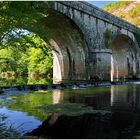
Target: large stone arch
124, 58
90, 26
68, 46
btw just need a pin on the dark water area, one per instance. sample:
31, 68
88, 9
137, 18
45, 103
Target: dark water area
98, 112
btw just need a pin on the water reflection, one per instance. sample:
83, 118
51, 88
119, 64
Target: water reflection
19, 120
76, 109
125, 104
84, 126
97, 97
123, 122
57, 96
125, 98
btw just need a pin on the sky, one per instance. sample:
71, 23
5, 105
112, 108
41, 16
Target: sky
100, 3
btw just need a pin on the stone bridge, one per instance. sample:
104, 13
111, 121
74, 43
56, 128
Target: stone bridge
90, 44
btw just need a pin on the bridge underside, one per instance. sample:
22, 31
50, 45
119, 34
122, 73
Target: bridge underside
68, 47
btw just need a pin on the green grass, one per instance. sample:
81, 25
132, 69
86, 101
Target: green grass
117, 8
111, 7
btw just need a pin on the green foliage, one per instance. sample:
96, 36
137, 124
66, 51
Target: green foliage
108, 33
7, 60
115, 6
23, 80
108, 36
26, 15
39, 80
132, 15
27, 54
38, 62
40, 57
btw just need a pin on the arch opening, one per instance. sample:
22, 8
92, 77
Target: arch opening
123, 59
25, 58
68, 47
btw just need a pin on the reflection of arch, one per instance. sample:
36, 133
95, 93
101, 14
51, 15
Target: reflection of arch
57, 96
57, 76
124, 57
114, 68
125, 97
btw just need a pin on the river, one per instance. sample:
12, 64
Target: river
118, 107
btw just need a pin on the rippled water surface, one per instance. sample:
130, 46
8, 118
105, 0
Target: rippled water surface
27, 111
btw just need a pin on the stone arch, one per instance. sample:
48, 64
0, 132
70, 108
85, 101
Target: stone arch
124, 57
68, 46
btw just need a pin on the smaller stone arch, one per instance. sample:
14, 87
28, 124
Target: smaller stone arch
124, 57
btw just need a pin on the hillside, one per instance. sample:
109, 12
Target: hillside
127, 10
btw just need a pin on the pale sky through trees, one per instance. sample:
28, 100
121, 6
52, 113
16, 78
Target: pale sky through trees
100, 3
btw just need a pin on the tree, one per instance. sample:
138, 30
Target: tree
26, 15
25, 48
27, 54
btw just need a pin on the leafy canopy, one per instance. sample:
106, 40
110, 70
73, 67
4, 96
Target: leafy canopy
25, 15
23, 57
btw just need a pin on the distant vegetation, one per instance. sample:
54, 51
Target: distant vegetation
27, 54
127, 10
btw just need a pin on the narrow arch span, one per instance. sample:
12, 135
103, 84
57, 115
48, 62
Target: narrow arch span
124, 58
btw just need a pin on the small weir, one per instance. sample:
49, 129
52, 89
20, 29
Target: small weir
36, 87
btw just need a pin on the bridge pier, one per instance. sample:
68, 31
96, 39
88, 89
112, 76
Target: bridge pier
101, 64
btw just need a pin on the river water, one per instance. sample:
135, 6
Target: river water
121, 103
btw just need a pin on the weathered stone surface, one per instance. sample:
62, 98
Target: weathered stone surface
82, 36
